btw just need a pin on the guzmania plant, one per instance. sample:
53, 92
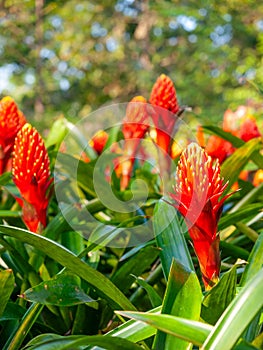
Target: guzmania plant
71, 276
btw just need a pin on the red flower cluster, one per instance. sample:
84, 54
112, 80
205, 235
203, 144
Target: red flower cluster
198, 197
134, 127
11, 121
240, 124
136, 124
31, 174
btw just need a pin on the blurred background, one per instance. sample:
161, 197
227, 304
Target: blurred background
71, 57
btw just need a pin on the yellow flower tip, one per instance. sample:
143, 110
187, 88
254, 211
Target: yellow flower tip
139, 99
7, 99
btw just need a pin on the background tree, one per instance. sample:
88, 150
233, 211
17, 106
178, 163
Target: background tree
72, 57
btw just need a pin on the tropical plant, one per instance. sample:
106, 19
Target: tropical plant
94, 261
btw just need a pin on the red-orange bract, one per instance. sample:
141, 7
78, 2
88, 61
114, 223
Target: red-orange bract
134, 127
99, 141
198, 197
31, 174
249, 129
11, 121
163, 95
218, 148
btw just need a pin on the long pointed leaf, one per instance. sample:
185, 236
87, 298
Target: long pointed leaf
182, 298
56, 342
237, 316
231, 168
255, 261
219, 297
191, 331
104, 287
7, 284
168, 230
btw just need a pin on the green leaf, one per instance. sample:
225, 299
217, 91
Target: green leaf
182, 298
24, 327
73, 241
258, 341
102, 235
62, 290
104, 287
191, 331
250, 197
234, 250
57, 342
154, 297
5, 178
10, 214
168, 230
239, 215
255, 261
7, 284
12, 312
135, 330
78, 171
137, 264
80, 139
236, 141
219, 297
57, 133
237, 316
231, 168
245, 346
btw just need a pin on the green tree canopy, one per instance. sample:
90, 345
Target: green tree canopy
72, 57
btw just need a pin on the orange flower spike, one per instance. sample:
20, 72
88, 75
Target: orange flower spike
31, 175
11, 121
134, 127
197, 196
163, 95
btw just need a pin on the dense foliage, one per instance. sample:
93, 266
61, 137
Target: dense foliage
95, 231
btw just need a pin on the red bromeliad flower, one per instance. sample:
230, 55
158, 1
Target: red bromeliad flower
31, 174
240, 124
134, 127
198, 197
11, 121
164, 95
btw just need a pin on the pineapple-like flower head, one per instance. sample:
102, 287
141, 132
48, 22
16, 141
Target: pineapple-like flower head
11, 121
198, 197
163, 97
31, 175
